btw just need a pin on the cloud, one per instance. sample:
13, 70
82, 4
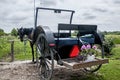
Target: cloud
101, 12
48, 2
15, 13
89, 16
3, 1
116, 1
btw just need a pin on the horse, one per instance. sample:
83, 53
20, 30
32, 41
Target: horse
32, 35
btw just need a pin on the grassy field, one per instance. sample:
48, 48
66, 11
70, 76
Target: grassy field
21, 51
115, 53
111, 71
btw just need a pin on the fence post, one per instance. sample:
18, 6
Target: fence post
12, 50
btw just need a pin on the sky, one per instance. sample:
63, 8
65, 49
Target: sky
20, 13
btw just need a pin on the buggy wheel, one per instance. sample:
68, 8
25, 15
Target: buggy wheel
45, 59
95, 68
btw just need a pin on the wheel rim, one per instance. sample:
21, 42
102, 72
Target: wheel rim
45, 62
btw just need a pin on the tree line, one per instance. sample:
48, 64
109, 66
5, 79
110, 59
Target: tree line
13, 32
111, 32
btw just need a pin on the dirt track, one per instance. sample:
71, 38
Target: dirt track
25, 70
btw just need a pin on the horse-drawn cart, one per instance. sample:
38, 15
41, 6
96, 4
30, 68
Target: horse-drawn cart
64, 46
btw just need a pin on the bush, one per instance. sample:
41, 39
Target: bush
1, 32
108, 45
116, 38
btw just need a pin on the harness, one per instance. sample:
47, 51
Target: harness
31, 36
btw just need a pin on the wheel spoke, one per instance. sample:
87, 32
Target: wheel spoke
46, 60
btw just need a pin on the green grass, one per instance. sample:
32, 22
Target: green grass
4, 47
24, 56
115, 53
111, 71
21, 51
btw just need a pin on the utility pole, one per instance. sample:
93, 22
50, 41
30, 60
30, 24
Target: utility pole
34, 13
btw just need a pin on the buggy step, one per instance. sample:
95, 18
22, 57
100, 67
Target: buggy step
74, 63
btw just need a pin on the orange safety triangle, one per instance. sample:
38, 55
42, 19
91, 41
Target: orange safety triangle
74, 51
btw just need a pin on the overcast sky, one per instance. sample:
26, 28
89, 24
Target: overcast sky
104, 13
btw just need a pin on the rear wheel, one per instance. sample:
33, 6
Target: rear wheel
94, 68
44, 58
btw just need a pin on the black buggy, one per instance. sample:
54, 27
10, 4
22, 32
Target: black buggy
64, 44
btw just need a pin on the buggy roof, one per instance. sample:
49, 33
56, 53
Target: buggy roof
51, 17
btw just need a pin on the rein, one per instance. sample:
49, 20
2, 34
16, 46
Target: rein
25, 42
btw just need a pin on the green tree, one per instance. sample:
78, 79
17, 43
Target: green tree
14, 32
1, 32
